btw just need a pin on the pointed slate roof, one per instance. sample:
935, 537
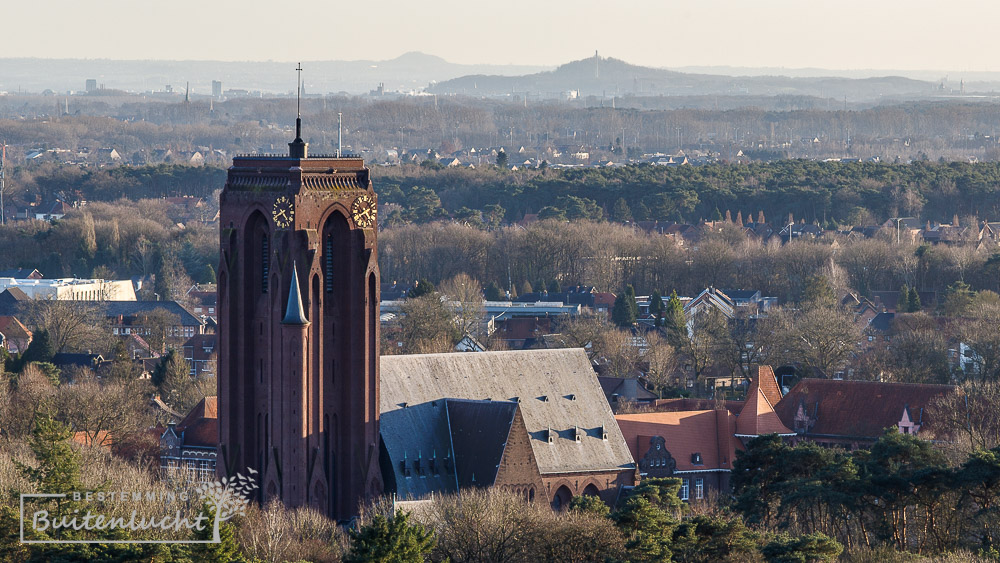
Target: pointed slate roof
295, 314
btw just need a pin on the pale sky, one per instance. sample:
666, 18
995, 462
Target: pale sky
843, 34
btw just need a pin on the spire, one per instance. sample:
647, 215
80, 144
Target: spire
297, 148
294, 313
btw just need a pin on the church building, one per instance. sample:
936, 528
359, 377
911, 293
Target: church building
299, 369
298, 362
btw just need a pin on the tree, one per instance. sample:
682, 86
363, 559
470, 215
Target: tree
913, 301
464, 298
818, 292
58, 469
208, 274
390, 540
225, 550
157, 325
617, 349
420, 289
648, 518
427, 326
72, 326
501, 159
712, 538
675, 321
980, 334
590, 504
493, 215
40, 350
957, 299
172, 377
661, 361
621, 213
819, 337
807, 548
656, 307
625, 309
493, 292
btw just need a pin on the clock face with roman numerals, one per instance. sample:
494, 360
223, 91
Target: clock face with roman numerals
283, 212
363, 210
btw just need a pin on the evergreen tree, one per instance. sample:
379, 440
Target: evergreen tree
625, 309
806, 548
674, 320
656, 307
554, 286
40, 350
225, 551
590, 504
58, 468
423, 287
502, 159
493, 292
913, 300
208, 274
818, 292
641, 212
390, 540
621, 213
903, 302
526, 288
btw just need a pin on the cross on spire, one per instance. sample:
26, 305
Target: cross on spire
298, 105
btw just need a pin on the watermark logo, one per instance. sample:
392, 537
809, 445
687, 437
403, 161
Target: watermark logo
107, 513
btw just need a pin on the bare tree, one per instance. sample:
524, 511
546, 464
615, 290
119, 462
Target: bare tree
661, 361
73, 326
619, 351
464, 298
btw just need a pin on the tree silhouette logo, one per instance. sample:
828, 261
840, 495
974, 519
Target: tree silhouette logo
227, 497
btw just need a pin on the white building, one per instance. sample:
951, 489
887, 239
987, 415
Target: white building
72, 289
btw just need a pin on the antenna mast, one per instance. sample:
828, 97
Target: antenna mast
340, 133
298, 106
3, 177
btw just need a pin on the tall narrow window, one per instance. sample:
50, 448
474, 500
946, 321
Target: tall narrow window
684, 489
264, 264
328, 264
699, 488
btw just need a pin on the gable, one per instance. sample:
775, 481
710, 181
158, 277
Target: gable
557, 392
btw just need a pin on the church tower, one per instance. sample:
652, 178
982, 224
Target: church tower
298, 304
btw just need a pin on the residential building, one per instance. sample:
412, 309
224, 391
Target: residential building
72, 288
854, 414
700, 446
188, 448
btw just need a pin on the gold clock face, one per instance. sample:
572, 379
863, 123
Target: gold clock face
283, 212
363, 210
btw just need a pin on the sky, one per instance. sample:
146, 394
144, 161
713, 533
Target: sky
847, 34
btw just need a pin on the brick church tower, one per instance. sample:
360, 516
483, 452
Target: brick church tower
298, 329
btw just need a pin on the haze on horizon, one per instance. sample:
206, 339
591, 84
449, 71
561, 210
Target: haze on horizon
853, 34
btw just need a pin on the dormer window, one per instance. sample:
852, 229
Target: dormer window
549, 435
577, 434
696, 459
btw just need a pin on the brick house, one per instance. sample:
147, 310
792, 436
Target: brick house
700, 446
853, 414
188, 448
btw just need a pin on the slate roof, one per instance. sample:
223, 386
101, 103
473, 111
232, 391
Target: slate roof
479, 432
555, 390
10, 299
860, 409
627, 388
135, 308
21, 274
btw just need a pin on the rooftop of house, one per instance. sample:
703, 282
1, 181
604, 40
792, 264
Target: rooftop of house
201, 426
709, 433
859, 409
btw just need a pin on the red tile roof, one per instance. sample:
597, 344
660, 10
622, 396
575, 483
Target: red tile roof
201, 425
768, 383
757, 416
707, 432
858, 408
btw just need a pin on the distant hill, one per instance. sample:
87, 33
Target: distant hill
598, 76
410, 71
